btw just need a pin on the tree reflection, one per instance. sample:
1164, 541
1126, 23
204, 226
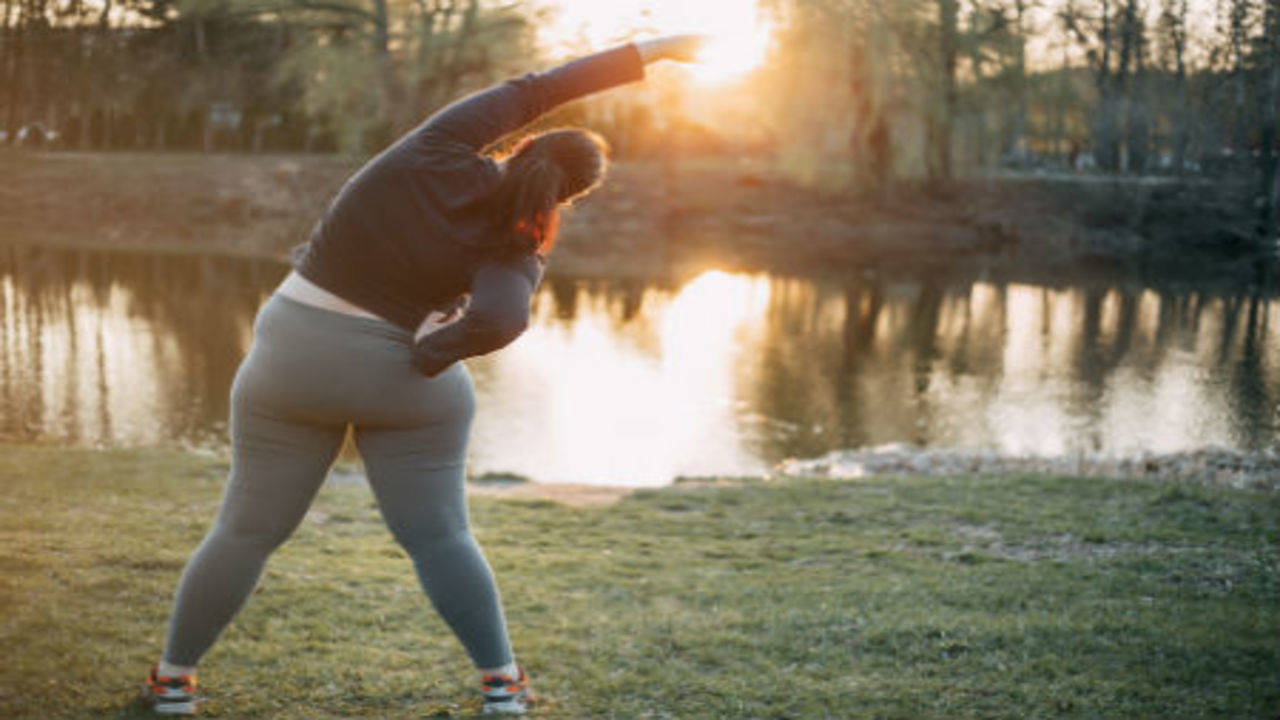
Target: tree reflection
124, 329
921, 365
120, 347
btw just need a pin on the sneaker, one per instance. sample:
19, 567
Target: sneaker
506, 695
170, 695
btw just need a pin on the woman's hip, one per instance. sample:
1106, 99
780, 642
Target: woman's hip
328, 365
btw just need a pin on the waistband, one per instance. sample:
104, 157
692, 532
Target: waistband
361, 323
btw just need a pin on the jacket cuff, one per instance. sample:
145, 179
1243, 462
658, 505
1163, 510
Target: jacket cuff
427, 361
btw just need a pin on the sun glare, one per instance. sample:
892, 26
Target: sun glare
739, 38
638, 404
732, 52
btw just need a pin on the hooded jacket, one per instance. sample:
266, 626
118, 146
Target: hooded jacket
407, 233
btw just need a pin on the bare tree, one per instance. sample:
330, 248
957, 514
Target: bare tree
1269, 129
1172, 36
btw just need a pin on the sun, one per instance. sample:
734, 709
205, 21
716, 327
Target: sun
732, 51
739, 37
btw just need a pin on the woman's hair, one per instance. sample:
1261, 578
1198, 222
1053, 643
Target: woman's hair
542, 173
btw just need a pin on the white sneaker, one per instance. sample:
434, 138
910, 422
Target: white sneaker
170, 695
504, 695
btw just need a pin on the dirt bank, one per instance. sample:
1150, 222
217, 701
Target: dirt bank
650, 218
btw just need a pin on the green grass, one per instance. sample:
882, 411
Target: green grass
890, 598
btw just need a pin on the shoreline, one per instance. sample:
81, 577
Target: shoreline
1211, 465
570, 265
1237, 469
647, 220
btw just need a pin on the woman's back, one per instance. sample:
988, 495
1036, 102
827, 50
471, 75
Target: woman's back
406, 234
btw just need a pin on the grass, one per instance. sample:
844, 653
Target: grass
972, 597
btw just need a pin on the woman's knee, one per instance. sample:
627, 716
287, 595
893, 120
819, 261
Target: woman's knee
264, 536
423, 542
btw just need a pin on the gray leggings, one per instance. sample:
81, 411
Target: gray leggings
308, 373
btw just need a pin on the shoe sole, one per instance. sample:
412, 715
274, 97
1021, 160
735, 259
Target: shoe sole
161, 706
175, 708
509, 707
516, 704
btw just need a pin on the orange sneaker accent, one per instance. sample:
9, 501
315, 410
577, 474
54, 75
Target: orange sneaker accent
170, 694
504, 694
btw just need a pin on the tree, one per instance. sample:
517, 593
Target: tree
1268, 50
371, 83
1171, 34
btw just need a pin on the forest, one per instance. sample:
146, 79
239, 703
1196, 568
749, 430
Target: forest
853, 96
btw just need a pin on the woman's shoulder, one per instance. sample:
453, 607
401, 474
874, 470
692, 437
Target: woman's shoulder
451, 177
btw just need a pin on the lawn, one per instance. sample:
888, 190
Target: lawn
974, 597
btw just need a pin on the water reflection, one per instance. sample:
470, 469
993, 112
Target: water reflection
634, 382
102, 349
1018, 368
633, 385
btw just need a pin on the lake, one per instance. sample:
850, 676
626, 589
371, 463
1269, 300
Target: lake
637, 382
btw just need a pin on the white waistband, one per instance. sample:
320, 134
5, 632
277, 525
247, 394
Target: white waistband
303, 290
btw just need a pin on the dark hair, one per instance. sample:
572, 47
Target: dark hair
542, 173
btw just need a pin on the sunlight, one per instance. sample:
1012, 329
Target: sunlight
605, 412
733, 51
739, 38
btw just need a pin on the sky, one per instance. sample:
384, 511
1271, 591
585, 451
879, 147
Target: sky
738, 41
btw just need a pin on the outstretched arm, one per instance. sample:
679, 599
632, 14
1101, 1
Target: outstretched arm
497, 315
479, 119
483, 117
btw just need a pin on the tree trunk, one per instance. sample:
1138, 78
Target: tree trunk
41, 56
8, 35
941, 117
1106, 125
1062, 145
870, 146
1176, 19
1269, 190
1017, 140
103, 58
391, 96
980, 153
17, 73
464, 36
443, 22
1130, 72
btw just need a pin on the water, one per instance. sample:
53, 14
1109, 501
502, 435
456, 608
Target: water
637, 382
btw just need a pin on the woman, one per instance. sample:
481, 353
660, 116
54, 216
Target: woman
428, 255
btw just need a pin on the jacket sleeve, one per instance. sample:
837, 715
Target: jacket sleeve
497, 315
477, 120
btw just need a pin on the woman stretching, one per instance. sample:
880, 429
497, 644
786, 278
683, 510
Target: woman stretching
429, 254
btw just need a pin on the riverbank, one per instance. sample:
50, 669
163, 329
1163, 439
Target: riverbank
1222, 466
976, 597
650, 218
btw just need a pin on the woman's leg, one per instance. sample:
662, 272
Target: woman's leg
418, 476
277, 466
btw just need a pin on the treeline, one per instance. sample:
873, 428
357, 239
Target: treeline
286, 75
936, 88
854, 95
310, 75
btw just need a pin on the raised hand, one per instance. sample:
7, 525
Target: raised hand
681, 48
436, 319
